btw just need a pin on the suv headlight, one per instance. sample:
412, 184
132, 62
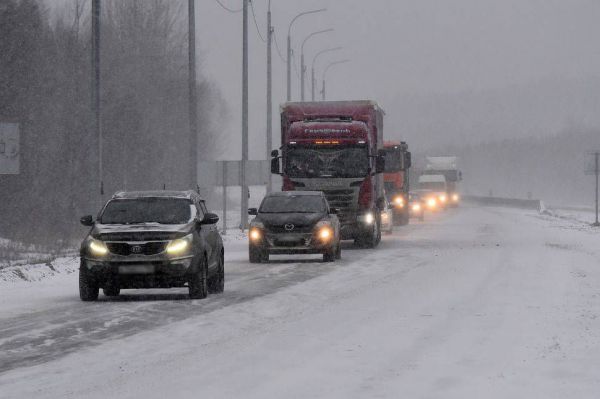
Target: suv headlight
97, 247
324, 230
180, 246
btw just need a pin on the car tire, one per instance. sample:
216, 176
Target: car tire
329, 255
255, 255
216, 284
338, 251
198, 282
88, 288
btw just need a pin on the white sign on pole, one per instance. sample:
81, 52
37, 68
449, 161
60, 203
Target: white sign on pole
9, 149
590, 162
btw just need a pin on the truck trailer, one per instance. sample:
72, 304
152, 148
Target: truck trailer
336, 147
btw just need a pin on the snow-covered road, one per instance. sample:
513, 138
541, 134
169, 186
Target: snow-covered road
476, 302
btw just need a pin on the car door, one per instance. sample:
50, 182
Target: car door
212, 237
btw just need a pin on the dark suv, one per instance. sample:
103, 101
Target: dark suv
152, 239
294, 222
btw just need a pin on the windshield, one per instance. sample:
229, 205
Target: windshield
327, 162
147, 210
435, 186
293, 204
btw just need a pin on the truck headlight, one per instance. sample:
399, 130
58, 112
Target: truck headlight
97, 247
455, 197
416, 207
399, 202
369, 218
431, 202
180, 245
443, 198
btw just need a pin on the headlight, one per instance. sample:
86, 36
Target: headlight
455, 197
325, 233
431, 202
399, 202
255, 234
180, 245
416, 207
369, 218
443, 198
97, 247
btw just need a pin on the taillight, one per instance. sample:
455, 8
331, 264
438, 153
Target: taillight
365, 195
288, 184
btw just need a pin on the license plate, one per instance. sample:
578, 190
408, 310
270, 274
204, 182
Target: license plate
136, 269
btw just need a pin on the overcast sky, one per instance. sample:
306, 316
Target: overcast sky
403, 47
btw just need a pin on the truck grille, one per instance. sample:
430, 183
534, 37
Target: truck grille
126, 249
343, 200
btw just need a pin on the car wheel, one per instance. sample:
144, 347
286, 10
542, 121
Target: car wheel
198, 283
217, 283
338, 251
88, 288
329, 255
255, 255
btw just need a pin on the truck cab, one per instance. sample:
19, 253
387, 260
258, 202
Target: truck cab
396, 179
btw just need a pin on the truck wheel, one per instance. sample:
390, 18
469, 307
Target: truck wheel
216, 284
88, 288
255, 255
371, 238
198, 283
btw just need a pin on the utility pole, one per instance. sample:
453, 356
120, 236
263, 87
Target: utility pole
269, 96
596, 172
289, 50
313, 79
96, 106
192, 102
244, 210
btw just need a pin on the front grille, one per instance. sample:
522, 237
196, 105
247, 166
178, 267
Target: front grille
344, 201
126, 249
281, 229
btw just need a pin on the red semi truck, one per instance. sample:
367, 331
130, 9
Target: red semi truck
336, 147
396, 179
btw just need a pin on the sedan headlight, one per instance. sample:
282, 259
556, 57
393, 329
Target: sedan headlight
180, 246
97, 247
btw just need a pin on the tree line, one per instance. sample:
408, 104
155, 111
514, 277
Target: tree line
45, 86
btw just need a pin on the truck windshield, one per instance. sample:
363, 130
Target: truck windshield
435, 186
293, 204
327, 162
147, 210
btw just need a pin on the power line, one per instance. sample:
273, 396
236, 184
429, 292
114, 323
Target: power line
256, 23
227, 8
277, 47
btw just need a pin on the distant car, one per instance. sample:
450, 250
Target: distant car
152, 239
416, 206
387, 217
294, 222
429, 199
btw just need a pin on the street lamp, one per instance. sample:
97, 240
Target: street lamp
325, 73
302, 66
289, 50
312, 71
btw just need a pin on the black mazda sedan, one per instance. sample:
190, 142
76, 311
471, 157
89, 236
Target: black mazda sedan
294, 222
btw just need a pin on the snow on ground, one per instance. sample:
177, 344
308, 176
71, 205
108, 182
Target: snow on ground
475, 302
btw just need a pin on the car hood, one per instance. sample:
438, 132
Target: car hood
140, 232
298, 219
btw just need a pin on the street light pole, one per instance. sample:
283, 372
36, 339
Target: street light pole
327, 69
302, 66
96, 89
192, 103
244, 202
269, 95
289, 50
313, 80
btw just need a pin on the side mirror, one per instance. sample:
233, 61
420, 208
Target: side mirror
210, 218
275, 169
379, 164
87, 220
333, 211
252, 211
274, 153
407, 160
